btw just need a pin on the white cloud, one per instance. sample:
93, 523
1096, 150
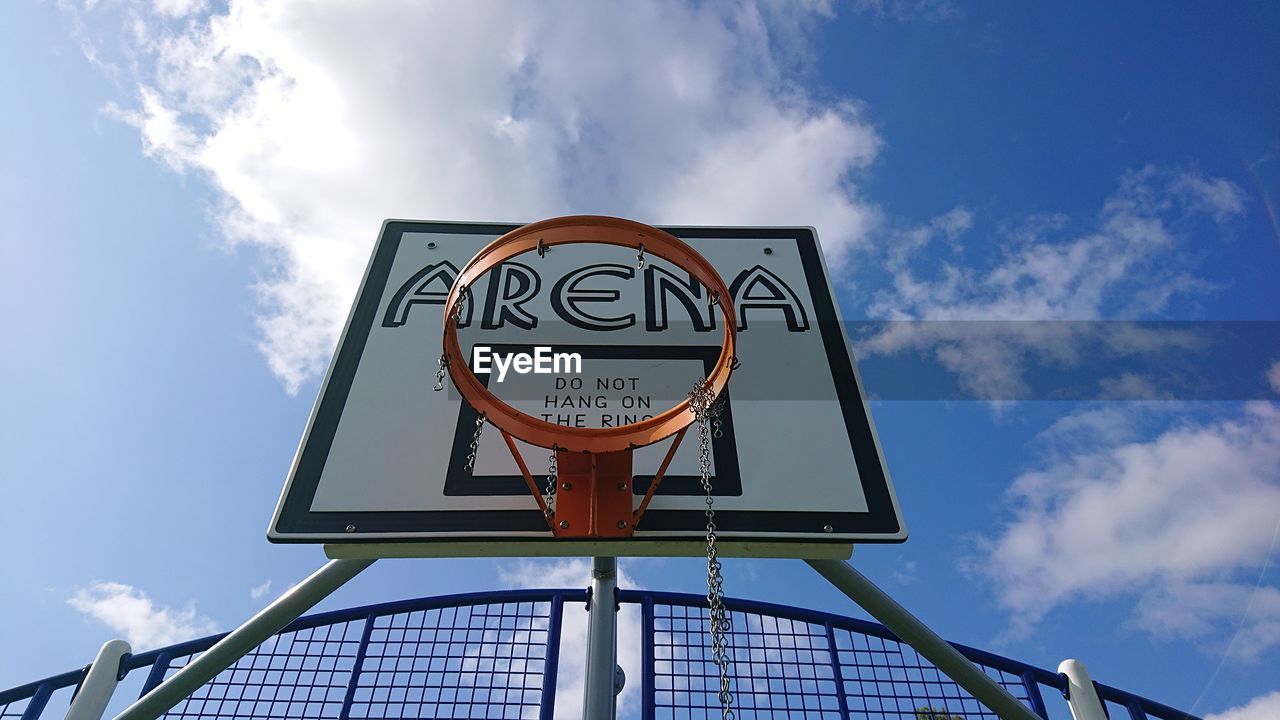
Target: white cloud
1130, 386
906, 573
1183, 522
1090, 427
1206, 611
573, 639
1121, 266
1263, 707
949, 226
1216, 196
575, 573
130, 612
178, 8
257, 591
1273, 377
1126, 265
316, 121
906, 10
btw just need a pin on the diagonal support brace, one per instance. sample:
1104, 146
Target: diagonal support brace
269, 621
926, 642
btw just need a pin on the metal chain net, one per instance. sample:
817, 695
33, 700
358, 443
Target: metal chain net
707, 410
475, 444
549, 494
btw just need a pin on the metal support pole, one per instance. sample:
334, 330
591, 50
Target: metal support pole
1082, 696
269, 621
914, 633
599, 700
100, 683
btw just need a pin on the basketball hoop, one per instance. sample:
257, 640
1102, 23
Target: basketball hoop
591, 472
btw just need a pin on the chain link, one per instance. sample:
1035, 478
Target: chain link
475, 443
706, 409
716, 430
444, 363
549, 495
464, 297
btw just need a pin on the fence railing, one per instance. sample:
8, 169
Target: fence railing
497, 655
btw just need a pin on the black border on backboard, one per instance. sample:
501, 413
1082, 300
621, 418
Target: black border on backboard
294, 522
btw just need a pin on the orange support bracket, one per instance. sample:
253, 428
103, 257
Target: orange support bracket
594, 496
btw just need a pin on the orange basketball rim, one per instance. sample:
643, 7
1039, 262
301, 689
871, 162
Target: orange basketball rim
593, 491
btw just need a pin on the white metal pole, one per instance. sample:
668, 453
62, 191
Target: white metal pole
599, 700
1082, 696
100, 683
926, 642
269, 621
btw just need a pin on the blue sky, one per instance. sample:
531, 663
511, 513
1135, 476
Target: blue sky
190, 190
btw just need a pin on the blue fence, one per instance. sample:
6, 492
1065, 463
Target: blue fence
497, 655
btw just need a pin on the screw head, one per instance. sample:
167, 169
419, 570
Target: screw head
622, 486
619, 679
564, 524
622, 524
431, 246
566, 486
828, 528
768, 251
351, 528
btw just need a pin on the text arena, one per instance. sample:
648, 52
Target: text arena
581, 296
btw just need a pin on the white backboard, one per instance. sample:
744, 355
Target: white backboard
797, 459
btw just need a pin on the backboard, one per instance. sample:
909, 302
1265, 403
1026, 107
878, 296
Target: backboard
796, 463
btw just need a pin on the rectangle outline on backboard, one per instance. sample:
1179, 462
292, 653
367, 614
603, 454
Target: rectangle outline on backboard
723, 450
301, 525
